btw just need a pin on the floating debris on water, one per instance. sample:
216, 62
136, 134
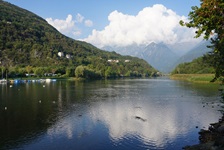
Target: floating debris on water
138, 107
140, 118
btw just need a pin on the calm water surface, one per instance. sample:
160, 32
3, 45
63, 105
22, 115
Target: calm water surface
112, 114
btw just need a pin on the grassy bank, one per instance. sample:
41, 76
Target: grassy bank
197, 78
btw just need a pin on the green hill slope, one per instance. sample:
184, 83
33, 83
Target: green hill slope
197, 66
28, 40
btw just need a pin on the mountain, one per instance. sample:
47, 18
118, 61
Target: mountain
157, 55
160, 56
182, 48
28, 40
198, 51
133, 50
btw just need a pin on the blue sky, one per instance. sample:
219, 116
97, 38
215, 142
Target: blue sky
91, 20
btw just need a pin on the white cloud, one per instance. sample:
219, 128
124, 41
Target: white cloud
64, 26
77, 33
79, 18
156, 23
88, 23
69, 26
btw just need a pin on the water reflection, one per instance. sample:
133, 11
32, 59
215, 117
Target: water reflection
165, 112
113, 114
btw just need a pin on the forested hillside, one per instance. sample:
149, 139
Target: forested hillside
197, 66
29, 44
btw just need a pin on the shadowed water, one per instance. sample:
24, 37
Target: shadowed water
111, 114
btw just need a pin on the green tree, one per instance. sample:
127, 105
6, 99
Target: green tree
110, 73
29, 69
79, 71
70, 71
39, 71
21, 72
208, 21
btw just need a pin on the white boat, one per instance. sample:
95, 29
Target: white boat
48, 80
3, 81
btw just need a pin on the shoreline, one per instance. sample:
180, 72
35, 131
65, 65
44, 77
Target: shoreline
195, 78
211, 139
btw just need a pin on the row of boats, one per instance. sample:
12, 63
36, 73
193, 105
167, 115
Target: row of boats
4, 81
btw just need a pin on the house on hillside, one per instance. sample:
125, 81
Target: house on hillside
68, 56
113, 61
127, 61
60, 54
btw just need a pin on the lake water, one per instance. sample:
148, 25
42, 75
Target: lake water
109, 114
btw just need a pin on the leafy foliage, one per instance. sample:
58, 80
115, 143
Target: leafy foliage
28, 42
209, 22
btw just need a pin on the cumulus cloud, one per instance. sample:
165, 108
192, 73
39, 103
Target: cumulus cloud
152, 24
69, 26
64, 26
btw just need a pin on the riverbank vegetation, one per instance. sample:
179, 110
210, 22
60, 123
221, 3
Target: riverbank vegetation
199, 70
81, 71
196, 78
200, 65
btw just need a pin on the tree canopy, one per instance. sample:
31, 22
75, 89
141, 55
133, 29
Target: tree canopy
208, 20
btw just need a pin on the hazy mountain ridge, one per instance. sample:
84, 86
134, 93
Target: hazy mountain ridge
157, 55
196, 52
160, 56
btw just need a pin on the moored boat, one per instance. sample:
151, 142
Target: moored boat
3, 81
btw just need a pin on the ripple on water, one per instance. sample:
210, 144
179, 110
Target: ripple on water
135, 141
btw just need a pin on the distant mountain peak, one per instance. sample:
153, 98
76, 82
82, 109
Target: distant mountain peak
157, 55
160, 55
153, 44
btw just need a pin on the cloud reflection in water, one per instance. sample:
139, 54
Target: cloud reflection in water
138, 112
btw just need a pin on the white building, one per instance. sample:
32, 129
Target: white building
114, 61
60, 54
68, 56
127, 60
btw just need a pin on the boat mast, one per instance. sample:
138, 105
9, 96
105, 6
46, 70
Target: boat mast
2, 68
